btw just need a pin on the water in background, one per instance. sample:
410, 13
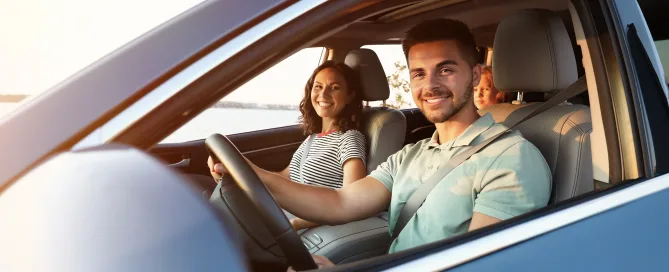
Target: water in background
214, 120
230, 121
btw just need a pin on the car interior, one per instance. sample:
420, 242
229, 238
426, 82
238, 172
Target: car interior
533, 49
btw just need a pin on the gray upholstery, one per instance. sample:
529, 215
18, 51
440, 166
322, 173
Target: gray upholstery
562, 134
372, 77
532, 53
384, 128
352, 241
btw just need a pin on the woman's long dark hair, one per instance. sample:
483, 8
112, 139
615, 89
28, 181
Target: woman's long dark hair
349, 118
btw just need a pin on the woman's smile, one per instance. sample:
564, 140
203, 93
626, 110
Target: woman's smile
323, 104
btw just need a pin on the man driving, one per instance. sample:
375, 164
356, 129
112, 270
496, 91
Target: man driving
507, 178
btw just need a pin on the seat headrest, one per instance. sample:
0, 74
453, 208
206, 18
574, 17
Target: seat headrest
372, 77
532, 52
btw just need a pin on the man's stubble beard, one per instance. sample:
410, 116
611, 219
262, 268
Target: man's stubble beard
465, 98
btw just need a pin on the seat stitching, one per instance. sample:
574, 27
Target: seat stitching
578, 165
551, 49
557, 157
576, 126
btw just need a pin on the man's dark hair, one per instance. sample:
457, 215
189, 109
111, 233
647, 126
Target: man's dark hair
441, 30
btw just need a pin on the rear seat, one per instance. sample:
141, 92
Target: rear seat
533, 53
383, 127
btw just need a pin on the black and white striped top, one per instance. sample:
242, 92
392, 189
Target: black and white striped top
324, 165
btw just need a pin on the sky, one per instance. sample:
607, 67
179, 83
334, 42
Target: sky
46, 41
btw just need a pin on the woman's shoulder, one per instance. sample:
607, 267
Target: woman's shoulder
352, 139
352, 134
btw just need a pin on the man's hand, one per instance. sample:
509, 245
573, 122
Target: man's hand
299, 224
216, 170
295, 224
321, 262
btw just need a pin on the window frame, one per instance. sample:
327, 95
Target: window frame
622, 15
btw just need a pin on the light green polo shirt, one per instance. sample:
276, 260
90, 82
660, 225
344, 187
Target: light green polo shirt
507, 178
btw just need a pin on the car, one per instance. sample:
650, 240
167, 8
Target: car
96, 177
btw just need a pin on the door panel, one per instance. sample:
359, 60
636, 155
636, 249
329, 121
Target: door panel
270, 149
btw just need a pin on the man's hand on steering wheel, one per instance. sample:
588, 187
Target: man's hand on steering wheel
246, 177
216, 169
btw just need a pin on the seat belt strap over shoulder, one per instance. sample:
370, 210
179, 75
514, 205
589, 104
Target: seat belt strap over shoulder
416, 200
305, 153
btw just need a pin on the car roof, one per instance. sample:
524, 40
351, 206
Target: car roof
482, 17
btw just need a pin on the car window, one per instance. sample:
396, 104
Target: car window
269, 100
654, 14
655, 100
662, 47
394, 64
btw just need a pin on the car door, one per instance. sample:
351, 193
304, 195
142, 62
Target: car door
260, 117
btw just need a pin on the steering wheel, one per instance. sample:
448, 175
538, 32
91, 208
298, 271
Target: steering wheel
274, 218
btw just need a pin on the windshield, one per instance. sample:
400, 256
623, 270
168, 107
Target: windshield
44, 42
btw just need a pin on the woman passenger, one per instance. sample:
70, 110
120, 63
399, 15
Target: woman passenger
331, 110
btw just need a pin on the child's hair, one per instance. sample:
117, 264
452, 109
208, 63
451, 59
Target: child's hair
501, 97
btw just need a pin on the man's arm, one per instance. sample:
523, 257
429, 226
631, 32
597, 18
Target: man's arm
356, 201
354, 170
517, 182
285, 172
480, 220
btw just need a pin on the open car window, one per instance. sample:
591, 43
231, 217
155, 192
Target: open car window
395, 65
269, 100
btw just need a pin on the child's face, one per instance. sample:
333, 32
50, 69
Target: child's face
485, 93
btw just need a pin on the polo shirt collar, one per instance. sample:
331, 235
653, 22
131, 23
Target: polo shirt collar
468, 136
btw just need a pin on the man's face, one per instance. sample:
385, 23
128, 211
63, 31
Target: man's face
442, 80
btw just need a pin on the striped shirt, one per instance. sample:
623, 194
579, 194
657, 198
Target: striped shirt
324, 165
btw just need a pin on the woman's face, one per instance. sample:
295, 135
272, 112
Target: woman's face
330, 94
484, 94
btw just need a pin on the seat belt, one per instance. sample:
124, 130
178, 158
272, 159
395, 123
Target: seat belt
416, 200
305, 153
